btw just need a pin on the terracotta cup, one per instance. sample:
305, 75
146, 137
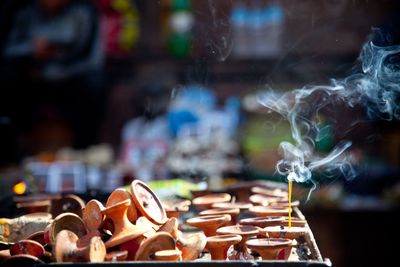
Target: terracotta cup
271, 248
233, 212
233, 205
263, 211
168, 255
119, 195
29, 247
147, 202
176, 208
191, 246
158, 241
209, 223
118, 255
67, 248
262, 200
206, 201
218, 245
92, 216
245, 231
270, 192
124, 230
64, 221
263, 221
68, 203
284, 232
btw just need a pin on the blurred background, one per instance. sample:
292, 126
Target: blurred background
95, 93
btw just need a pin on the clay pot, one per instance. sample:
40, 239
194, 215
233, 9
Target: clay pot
171, 227
218, 245
21, 260
295, 222
67, 248
271, 248
263, 211
283, 232
38, 237
235, 205
124, 230
209, 223
263, 221
191, 246
176, 208
234, 213
68, 203
147, 202
119, 195
92, 216
168, 255
245, 231
157, 242
65, 221
206, 201
114, 256
29, 247
276, 192
262, 200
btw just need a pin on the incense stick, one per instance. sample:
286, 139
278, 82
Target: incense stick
290, 202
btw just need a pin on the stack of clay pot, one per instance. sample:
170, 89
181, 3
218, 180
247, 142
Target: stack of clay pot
131, 226
257, 229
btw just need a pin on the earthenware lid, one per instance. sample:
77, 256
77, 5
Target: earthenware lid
147, 202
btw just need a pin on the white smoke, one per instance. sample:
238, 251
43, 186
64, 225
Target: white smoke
376, 87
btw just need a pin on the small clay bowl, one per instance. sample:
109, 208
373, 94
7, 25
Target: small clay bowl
176, 208
234, 213
245, 231
284, 232
209, 223
159, 241
191, 246
124, 230
263, 221
285, 204
29, 247
218, 245
295, 222
92, 216
271, 248
118, 255
67, 249
147, 202
235, 205
262, 200
206, 202
68, 203
64, 221
276, 192
168, 255
119, 195
38, 237
263, 211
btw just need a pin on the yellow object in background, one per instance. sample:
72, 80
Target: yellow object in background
19, 188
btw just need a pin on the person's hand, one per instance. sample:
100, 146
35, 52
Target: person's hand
43, 50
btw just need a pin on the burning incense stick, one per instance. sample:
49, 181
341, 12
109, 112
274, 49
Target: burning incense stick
290, 202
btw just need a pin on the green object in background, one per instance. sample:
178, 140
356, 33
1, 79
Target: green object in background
179, 45
324, 141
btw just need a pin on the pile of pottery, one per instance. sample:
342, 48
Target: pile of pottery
135, 225
234, 233
131, 226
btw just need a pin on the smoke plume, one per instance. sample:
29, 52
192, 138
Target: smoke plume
376, 87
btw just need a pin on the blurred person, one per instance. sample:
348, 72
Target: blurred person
52, 67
